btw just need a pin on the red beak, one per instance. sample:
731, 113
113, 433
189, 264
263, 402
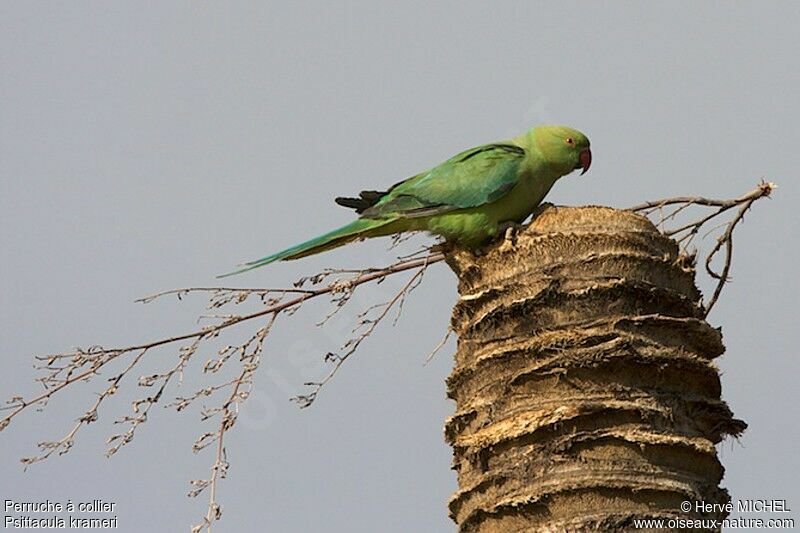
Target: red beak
585, 159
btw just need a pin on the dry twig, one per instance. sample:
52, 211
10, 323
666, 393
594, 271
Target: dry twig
685, 233
61, 370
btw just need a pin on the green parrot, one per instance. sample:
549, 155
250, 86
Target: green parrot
468, 199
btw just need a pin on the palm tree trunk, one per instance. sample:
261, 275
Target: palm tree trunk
586, 396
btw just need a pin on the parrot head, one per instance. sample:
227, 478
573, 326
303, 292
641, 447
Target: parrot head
564, 148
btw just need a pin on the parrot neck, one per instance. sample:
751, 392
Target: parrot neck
536, 161
540, 154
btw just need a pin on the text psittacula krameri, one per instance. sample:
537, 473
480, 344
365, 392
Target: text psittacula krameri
467, 199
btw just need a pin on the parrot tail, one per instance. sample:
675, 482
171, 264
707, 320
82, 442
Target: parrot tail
356, 230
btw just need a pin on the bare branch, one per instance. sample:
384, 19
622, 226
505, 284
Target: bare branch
439, 346
240, 391
98, 357
764, 188
367, 325
60, 370
686, 233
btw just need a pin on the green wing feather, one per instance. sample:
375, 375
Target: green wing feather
470, 179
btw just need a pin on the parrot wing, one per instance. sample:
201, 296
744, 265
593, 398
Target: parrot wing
470, 179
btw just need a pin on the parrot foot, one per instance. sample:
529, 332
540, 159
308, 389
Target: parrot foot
541, 209
442, 247
510, 230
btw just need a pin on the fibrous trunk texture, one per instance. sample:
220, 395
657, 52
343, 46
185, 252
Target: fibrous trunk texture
585, 392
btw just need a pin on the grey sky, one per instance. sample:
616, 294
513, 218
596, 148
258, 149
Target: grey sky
146, 146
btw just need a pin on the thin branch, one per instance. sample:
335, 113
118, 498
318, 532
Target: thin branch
180, 293
686, 233
64, 444
439, 346
764, 188
60, 370
102, 356
367, 325
230, 412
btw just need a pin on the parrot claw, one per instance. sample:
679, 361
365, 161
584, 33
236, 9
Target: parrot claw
544, 206
443, 247
510, 230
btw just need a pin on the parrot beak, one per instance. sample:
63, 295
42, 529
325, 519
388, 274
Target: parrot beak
585, 160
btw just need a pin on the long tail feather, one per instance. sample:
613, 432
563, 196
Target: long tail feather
358, 229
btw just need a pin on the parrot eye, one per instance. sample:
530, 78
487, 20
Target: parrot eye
570, 141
